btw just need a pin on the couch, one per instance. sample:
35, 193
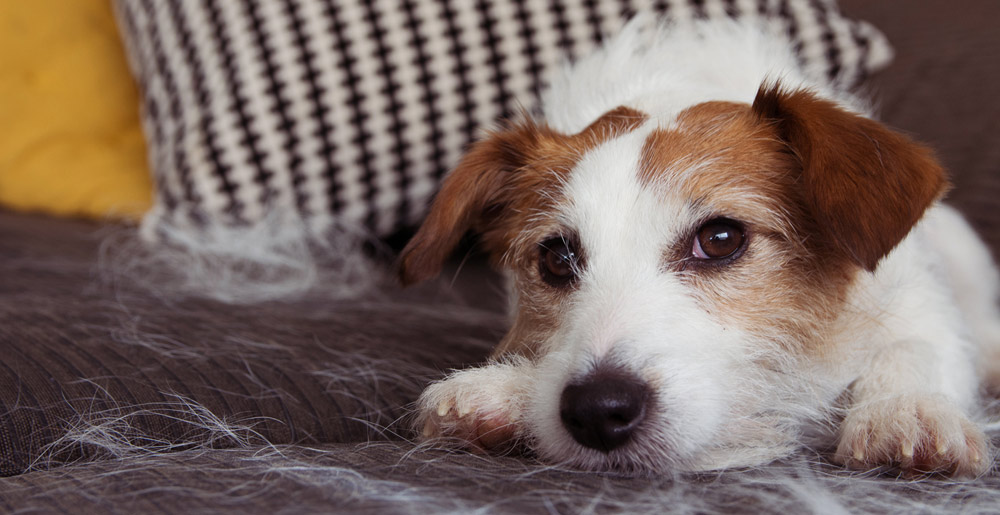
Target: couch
115, 398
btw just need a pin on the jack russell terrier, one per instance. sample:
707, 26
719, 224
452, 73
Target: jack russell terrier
714, 260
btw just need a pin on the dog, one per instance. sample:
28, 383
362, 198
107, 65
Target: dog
714, 260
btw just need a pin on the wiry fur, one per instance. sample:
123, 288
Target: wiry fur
237, 470
661, 69
846, 323
273, 259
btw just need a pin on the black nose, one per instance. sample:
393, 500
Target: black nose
603, 409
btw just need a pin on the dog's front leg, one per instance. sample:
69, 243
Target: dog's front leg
909, 410
480, 406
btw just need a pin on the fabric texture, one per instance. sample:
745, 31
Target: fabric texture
350, 112
76, 351
70, 141
395, 478
99, 359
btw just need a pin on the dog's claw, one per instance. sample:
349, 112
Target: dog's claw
476, 408
922, 438
444, 407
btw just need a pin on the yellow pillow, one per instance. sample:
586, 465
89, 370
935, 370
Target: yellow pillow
70, 139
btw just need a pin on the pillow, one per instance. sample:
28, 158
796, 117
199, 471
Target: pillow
70, 141
348, 113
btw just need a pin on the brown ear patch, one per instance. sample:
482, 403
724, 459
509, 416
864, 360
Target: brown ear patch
865, 185
464, 195
507, 174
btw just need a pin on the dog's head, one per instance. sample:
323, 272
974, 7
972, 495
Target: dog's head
672, 278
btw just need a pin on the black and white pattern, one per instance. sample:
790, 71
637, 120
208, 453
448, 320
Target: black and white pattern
351, 111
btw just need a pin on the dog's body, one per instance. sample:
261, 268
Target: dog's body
708, 270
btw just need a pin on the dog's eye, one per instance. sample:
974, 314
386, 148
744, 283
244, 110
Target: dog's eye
718, 239
558, 261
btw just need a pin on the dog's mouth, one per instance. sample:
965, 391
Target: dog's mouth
643, 454
640, 421
608, 420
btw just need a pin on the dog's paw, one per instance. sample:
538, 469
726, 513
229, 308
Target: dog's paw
480, 407
917, 434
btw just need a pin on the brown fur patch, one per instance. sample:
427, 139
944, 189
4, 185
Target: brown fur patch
821, 191
720, 155
500, 182
725, 163
536, 186
513, 239
865, 185
497, 189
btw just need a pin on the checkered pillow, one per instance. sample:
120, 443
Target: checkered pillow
349, 112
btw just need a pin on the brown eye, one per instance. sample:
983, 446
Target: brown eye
718, 239
558, 261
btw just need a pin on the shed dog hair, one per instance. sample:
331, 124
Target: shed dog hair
714, 260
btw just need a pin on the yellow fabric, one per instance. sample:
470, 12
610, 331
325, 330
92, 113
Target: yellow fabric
70, 138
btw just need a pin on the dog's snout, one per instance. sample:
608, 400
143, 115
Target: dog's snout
603, 410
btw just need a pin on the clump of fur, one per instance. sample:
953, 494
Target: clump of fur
395, 476
274, 259
116, 433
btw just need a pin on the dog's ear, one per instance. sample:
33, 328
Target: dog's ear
491, 176
865, 185
466, 195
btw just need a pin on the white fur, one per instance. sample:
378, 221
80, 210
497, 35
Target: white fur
275, 258
907, 340
663, 69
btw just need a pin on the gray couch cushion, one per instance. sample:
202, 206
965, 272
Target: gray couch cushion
81, 356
